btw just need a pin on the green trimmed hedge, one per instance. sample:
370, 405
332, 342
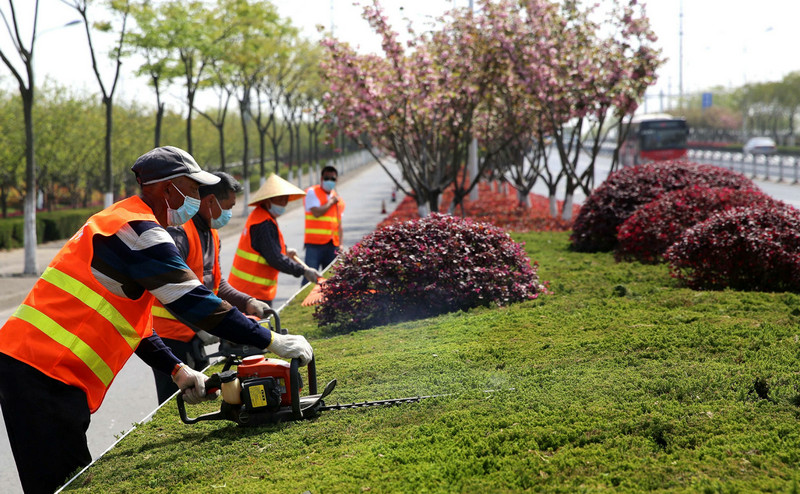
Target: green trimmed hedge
50, 225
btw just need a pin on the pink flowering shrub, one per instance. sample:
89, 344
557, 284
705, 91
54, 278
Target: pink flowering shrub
624, 191
754, 248
647, 234
424, 267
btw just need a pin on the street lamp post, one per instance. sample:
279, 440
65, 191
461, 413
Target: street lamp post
472, 153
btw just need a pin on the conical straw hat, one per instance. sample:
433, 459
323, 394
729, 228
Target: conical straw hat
275, 186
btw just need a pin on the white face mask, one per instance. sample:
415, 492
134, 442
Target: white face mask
276, 210
328, 185
223, 219
189, 208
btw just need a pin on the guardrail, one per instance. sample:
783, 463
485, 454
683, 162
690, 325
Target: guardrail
778, 168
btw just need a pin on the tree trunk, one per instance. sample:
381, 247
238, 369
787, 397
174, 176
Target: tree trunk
245, 159
524, 199
222, 160
108, 200
159, 122
189, 146
29, 206
566, 211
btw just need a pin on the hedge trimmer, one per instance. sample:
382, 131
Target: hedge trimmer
267, 391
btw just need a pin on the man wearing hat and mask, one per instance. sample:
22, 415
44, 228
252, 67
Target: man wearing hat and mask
262, 253
198, 242
91, 310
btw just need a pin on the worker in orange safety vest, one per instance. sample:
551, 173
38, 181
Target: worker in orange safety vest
198, 242
262, 252
323, 233
91, 310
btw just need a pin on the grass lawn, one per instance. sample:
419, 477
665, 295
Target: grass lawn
618, 381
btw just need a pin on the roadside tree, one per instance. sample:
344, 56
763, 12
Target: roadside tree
416, 104
25, 81
122, 9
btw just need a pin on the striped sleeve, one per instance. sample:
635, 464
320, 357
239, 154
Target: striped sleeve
142, 256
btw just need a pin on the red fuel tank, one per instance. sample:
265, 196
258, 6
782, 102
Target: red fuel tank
258, 366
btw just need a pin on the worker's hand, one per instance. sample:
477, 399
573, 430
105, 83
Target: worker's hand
291, 346
257, 308
312, 275
193, 385
334, 200
290, 253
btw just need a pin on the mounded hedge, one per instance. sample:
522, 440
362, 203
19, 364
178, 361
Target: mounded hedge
50, 225
423, 267
753, 248
624, 191
647, 234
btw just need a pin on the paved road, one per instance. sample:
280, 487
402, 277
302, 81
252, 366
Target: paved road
132, 397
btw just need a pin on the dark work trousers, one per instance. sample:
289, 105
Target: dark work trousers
191, 352
46, 421
319, 256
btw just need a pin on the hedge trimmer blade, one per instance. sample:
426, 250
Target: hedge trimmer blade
376, 403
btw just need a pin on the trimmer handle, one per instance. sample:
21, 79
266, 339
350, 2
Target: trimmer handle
294, 375
213, 384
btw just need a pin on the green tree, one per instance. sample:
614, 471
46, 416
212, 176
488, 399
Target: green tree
12, 149
25, 81
150, 41
121, 9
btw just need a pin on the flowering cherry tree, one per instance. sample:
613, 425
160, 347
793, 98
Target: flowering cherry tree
416, 103
574, 69
516, 75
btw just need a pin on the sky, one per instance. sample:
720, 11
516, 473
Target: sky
726, 43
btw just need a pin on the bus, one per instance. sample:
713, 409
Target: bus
654, 137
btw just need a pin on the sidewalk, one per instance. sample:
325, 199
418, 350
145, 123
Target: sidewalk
132, 396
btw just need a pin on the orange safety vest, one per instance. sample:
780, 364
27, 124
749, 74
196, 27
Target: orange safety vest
250, 272
165, 324
322, 229
70, 327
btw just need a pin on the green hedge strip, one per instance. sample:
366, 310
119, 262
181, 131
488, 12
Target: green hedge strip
50, 225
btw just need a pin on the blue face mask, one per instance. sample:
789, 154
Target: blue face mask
328, 185
276, 210
223, 219
189, 208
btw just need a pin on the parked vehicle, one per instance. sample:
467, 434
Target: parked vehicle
760, 145
654, 137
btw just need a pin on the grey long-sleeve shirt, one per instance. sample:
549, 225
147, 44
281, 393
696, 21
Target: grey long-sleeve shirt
226, 291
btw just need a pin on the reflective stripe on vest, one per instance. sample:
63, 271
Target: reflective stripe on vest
70, 327
69, 340
251, 273
324, 228
167, 325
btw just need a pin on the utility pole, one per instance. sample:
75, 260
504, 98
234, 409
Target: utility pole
472, 152
680, 57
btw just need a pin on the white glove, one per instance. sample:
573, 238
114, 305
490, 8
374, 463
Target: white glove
291, 346
256, 307
290, 253
312, 275
193, 385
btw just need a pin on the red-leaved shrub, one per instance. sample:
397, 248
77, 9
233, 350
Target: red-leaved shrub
425, 267
754, 248
652, 228
624, 191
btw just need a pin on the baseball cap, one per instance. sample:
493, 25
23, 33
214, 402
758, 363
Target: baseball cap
166, 162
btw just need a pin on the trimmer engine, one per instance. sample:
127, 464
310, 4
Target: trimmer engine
267, 391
